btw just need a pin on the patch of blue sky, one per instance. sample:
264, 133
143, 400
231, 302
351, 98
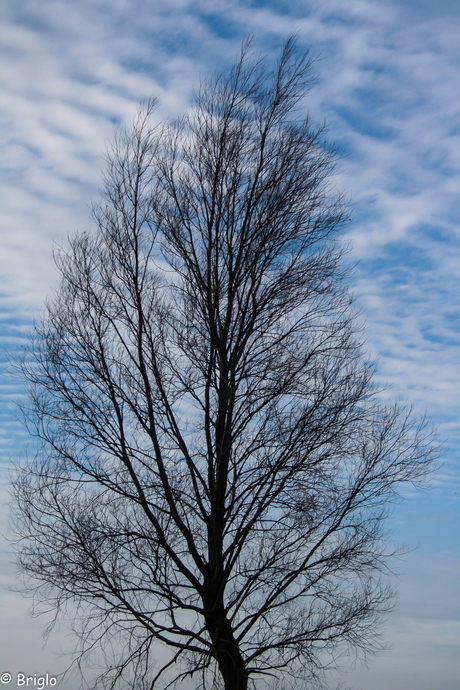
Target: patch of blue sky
442, 232
359, 119
402, 182
289, 8
27, 14
454, 129
222, 25
343, 16
438, 158
394, 260
14, 438
367, 207
427, 8
431, 333
429, 509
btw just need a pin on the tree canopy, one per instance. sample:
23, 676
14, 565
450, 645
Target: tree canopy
214, 465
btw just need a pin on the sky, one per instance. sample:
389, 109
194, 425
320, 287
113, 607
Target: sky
72, 71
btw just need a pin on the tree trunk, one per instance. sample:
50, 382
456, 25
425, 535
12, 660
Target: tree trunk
225, 649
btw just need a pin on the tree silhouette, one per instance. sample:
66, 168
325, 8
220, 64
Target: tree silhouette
214, 466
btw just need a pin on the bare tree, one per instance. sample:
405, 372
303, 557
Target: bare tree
214, 466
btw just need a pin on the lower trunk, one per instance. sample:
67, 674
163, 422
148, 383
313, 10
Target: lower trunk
226, 652
231, 666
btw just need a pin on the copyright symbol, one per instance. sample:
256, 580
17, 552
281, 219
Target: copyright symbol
5, 677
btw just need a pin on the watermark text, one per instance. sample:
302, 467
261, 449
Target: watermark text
30, 681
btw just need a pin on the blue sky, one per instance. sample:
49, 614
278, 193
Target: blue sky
72, 70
